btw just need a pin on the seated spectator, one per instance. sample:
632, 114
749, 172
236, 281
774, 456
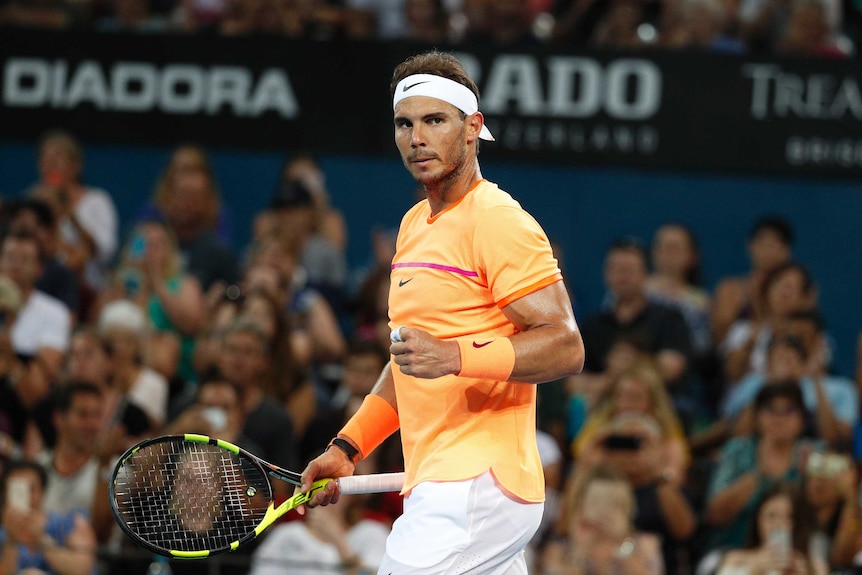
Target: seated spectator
703, 25
287, 378
677, 282
796, 353
770, 244
49, 15
135, 16
658, 329
186, 159
191, 208
34, 217
242, 360
807, 32
427, 21
88, 219
151, 275
596, 530
301, 204
123, 324
13, 416
77, 477
778, 538
638, 390
217, 412
618, 28
786, 289
34, 540
830, 488
748, 466
634, 445
40, 333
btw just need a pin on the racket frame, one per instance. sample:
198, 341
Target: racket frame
267, 469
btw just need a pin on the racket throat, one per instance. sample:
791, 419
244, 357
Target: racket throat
274, 513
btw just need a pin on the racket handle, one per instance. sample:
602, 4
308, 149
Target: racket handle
373, 483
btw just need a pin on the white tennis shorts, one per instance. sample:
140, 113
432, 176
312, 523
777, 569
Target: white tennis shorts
461, 527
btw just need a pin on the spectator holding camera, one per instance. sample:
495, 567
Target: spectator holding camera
36, 541
596, 531
41, 329
638, 389
749, 465
632, 444
778, 538
830, 488
87, 215
798, 352
151, 274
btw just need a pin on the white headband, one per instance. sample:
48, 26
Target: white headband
441, 88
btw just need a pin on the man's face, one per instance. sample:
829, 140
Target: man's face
81, 424
242, 358
625, 273
432, 138
19, 260
57, 165
189, 197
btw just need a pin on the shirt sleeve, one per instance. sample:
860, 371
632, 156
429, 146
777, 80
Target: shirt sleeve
514, 254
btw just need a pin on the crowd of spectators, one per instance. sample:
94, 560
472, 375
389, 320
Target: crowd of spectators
710, 421
824, 28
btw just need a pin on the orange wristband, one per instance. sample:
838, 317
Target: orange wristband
373, 422
492, 359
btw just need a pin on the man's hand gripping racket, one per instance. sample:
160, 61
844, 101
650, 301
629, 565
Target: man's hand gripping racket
192, 496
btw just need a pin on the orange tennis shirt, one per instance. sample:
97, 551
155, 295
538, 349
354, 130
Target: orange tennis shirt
451, 276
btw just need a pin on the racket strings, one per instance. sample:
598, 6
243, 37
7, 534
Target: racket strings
185, 496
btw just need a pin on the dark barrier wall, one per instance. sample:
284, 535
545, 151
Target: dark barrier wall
595, 145
656, 110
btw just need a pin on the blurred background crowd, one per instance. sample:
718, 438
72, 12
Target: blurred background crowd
709, 432
825, 28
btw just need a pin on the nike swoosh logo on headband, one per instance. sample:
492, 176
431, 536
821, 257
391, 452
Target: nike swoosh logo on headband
405, 88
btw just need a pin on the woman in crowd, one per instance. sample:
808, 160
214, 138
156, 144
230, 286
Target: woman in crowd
595, 530
151, 275
786, 289
778, 539
639, 389
749, 465
124, 325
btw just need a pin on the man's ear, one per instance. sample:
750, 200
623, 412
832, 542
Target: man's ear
474, 126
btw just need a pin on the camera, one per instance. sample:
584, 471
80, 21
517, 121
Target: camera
825, 464
620, 442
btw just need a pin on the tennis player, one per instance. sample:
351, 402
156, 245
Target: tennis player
479, 314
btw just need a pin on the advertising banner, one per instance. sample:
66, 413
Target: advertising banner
655, 109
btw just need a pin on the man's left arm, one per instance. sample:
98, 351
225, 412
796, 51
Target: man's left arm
549, 345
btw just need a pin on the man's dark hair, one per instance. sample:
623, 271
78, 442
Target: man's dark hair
26, 236
433, 62
630, 244
66, 394
777, 224
813, 316
788, 389
40, 209
20, 465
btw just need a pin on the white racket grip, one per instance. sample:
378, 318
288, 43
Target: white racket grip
373, 483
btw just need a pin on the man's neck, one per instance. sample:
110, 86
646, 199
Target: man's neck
449, 191
68, 460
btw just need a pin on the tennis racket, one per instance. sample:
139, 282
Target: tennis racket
192, 496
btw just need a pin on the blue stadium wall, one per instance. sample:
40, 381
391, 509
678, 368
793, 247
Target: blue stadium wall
583, 209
